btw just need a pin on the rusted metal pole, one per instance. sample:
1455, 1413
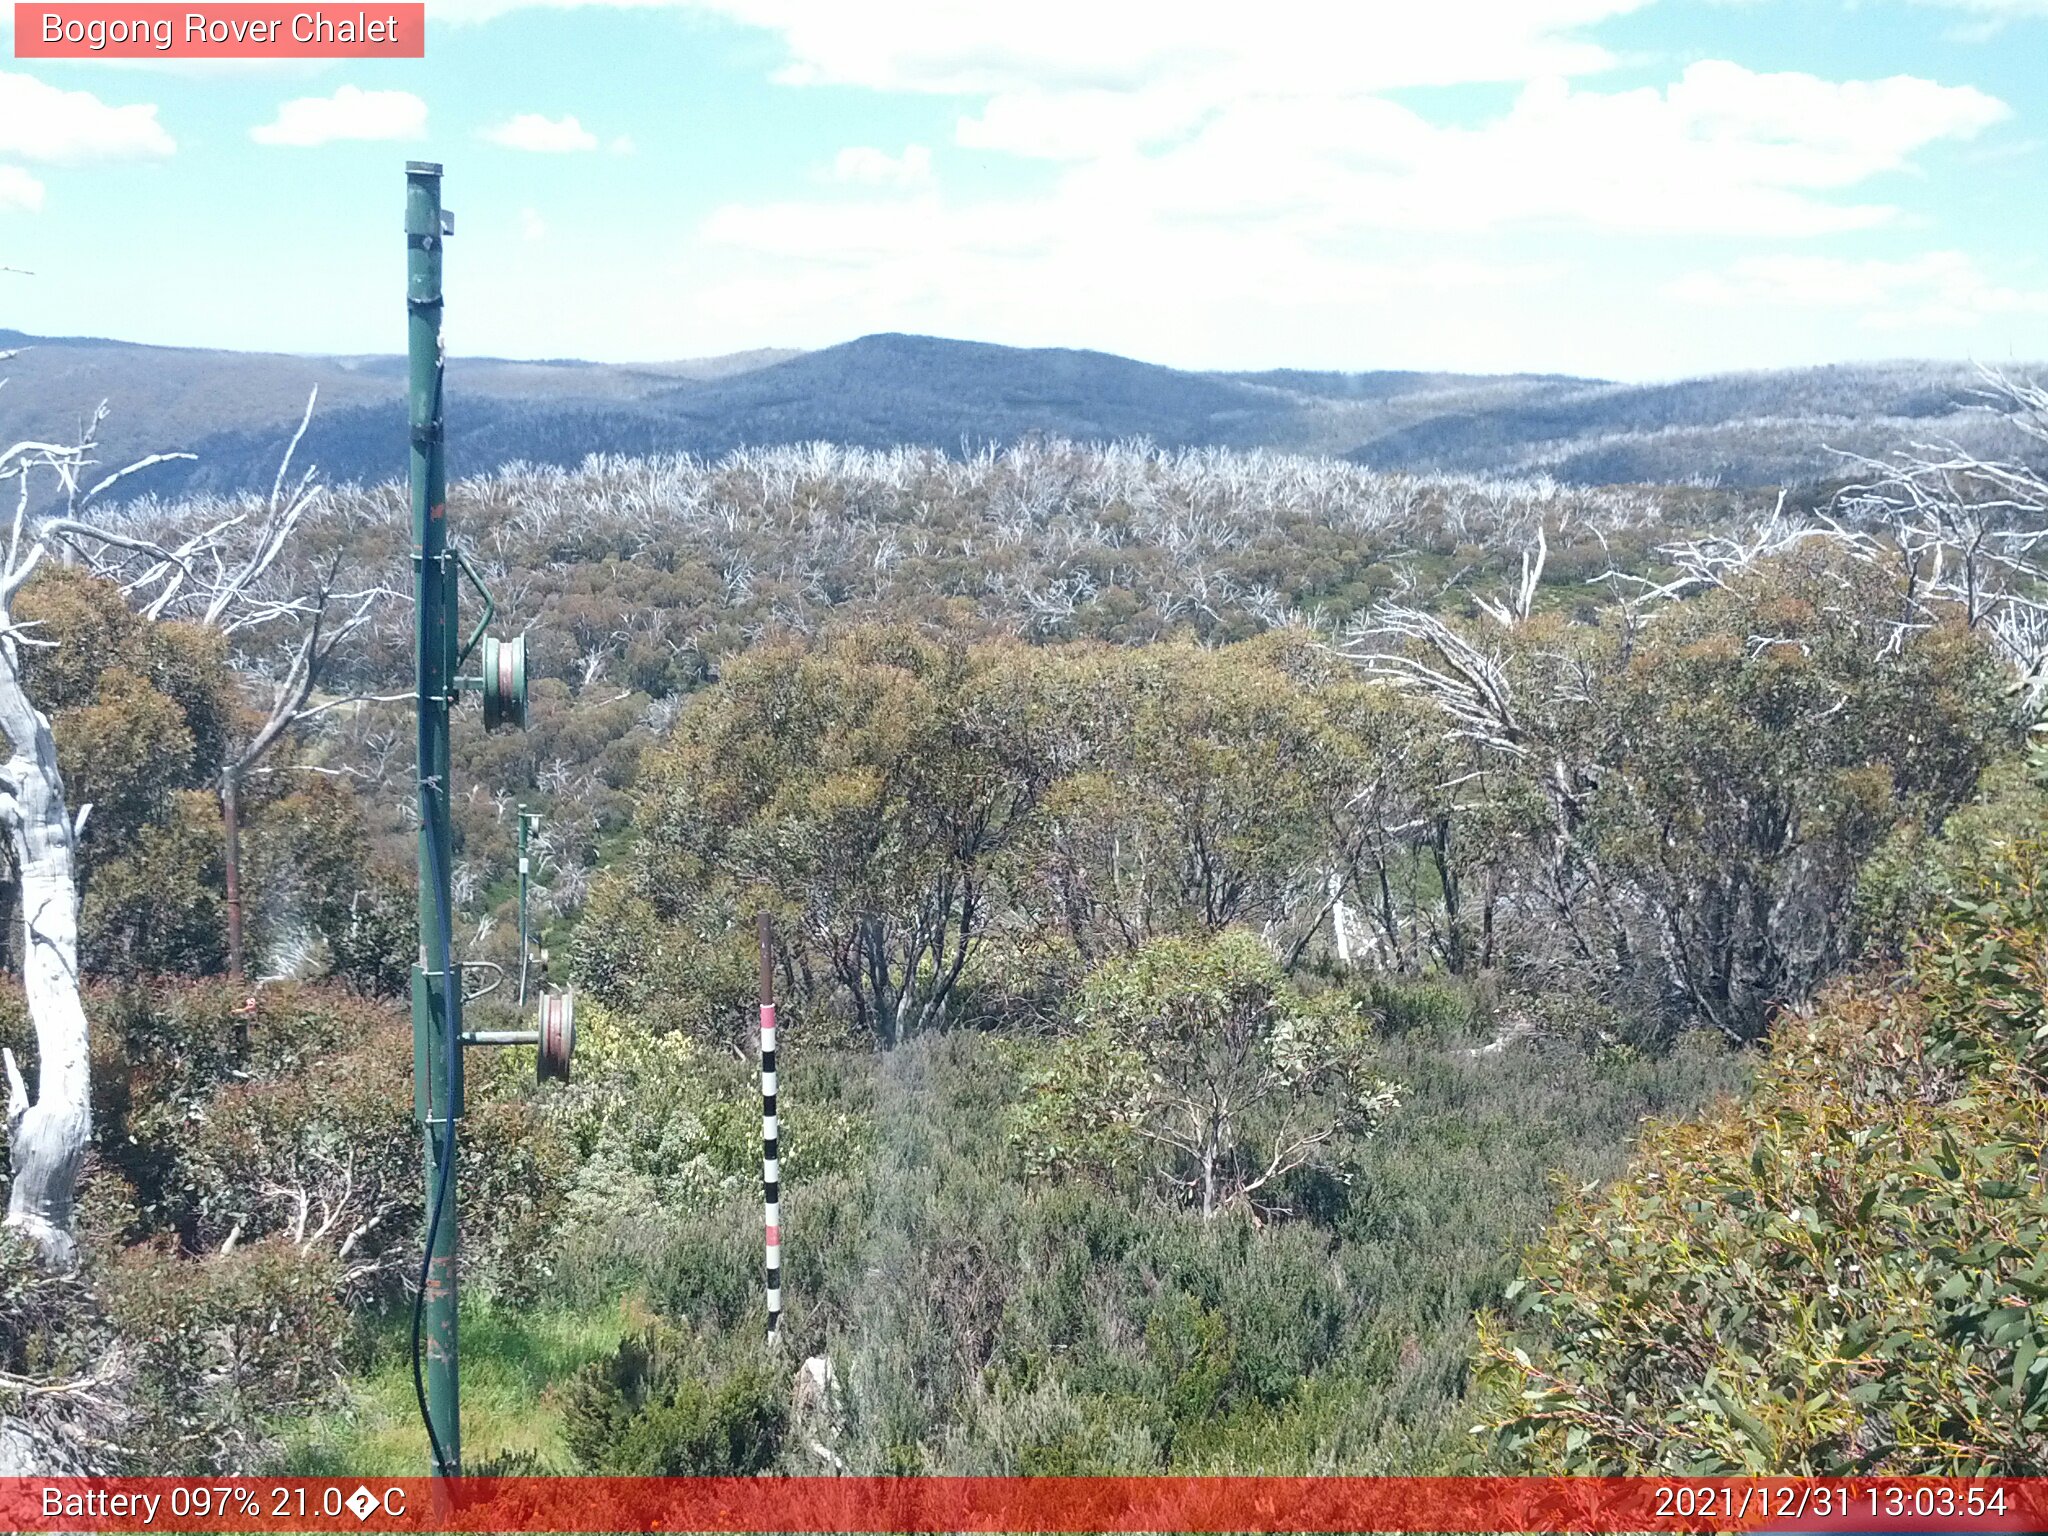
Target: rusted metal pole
231, 826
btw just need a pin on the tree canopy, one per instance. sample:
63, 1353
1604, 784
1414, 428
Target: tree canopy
1845, 1272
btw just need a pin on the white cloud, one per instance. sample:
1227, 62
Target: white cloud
622, 145
1039, 274
1178, 101
350, 113
531, 225
41, 122
1721, 151
1179, 108
945, 47
19, 191
1307, 45
1315, 216
862, 166
1994, 8
535, 134
1982, 20
1936, 290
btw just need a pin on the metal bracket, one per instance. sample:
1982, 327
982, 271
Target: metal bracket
490, 603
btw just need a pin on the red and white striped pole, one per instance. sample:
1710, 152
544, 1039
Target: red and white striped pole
771, 1166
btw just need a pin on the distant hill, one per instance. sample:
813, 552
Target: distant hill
236, 409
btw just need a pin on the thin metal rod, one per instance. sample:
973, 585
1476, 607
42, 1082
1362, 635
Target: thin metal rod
771, 1165
501, 1037
526, 820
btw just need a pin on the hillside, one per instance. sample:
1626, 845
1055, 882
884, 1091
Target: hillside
1743, 428
234, 410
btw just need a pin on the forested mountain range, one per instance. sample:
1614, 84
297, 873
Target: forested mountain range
233, 409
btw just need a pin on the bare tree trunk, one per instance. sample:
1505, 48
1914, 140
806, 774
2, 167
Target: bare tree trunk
231, 824
49, 1136
1447, 878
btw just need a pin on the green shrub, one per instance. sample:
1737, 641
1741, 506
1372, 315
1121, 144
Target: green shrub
1197, 1059
700, 983
662, 1128
291, 1118
1441, 1012
226, 1345
664, 1405
1027, 984
51, 1327
372, 942
1846, 1273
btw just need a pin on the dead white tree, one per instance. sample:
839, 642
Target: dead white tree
1510, 611
1968, 534
49, 1133
1429, 657
228, 574
224, 574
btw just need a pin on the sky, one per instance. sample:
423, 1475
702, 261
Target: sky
1631, 189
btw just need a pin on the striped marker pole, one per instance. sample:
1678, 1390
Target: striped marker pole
771, 1166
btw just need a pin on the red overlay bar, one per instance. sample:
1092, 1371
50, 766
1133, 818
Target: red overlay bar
1005, 1504
237, 29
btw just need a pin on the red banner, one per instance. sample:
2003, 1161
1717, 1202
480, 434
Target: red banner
1003, 1504
240, 29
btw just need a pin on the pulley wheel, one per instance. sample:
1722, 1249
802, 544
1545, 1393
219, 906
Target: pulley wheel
557, 1035
504, 669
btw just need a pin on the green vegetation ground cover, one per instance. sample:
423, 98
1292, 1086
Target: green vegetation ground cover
1055, 778
515, 1364
982, 1322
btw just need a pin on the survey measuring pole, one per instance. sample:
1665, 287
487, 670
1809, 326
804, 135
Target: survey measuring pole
771, 1132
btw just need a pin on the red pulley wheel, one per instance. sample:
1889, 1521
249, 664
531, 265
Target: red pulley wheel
557, 1035
504, 682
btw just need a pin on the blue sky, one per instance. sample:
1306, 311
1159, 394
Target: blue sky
1632, 188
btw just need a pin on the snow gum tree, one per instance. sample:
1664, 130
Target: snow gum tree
224, 576
49, 1133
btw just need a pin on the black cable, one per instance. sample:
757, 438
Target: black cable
443, 1181
451, 1043
419, 1311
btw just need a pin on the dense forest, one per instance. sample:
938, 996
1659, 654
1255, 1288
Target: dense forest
1282, 964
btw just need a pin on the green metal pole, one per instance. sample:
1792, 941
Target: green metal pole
437, 999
